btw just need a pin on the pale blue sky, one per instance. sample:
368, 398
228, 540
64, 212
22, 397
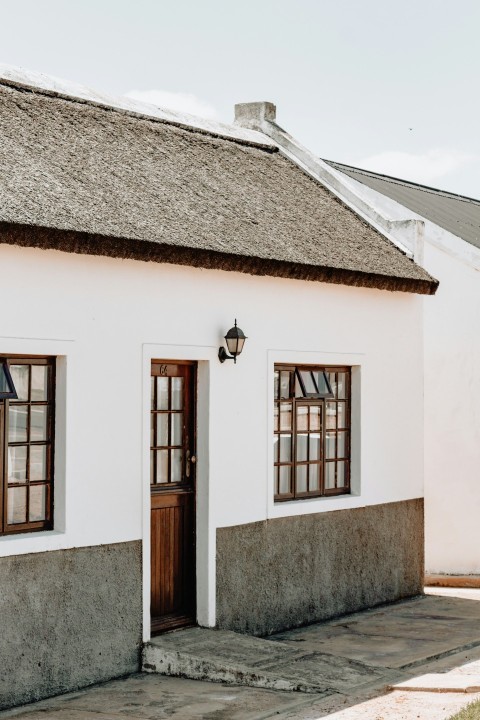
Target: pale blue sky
349, 77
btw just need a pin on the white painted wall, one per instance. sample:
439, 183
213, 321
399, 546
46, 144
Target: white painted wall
452, 389
108, 318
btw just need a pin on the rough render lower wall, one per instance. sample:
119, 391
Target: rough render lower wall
68, 618
291, 571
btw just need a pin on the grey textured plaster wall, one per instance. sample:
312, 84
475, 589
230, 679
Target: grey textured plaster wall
287, 572
68, 618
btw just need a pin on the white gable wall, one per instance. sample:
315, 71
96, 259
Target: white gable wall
107, 318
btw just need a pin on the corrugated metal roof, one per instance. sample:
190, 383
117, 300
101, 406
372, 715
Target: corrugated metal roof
458, 214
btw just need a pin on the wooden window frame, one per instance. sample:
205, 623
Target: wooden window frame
7, 529
325, 459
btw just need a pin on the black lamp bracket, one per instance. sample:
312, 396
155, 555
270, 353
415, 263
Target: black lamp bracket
223, 355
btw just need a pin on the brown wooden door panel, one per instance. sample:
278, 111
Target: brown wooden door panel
173, 588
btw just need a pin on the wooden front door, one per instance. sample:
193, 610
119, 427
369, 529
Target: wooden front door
172, 494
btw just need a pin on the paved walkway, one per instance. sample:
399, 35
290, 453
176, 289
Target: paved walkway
430, 645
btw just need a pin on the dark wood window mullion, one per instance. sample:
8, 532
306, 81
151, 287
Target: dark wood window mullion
3, 465
168, 416
29, 436
155, 419
293, 472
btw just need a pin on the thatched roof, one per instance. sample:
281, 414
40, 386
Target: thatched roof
86, 178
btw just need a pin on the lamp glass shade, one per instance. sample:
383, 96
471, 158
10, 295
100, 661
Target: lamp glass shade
235, 339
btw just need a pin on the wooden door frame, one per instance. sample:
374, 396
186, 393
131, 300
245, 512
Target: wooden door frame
204, 357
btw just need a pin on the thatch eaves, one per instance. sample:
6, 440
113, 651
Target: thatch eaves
85, 178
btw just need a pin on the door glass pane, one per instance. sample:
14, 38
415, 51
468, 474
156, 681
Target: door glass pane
331, 413
16, 505
285, 416
39, 383
17, 464
342, 387
284, 480
38, 462
176, 420
342, 415
152, 393
329, 475
162, 393
315, 447
152, 429
162, 466
313, 477
17, 423
314, 417
37, 505
176, 469
152, 467
340, 474
19, 375
285, 448
301, 476
330, 445
38, 422
177, 393
162, 430
302, 442
275, 418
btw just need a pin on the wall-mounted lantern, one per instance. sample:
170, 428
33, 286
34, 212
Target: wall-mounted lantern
235, 340
7, 388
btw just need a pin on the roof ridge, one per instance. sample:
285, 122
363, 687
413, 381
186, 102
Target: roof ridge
26, 81
426, 188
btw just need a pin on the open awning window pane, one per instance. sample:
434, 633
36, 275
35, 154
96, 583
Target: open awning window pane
7, 388
312, 384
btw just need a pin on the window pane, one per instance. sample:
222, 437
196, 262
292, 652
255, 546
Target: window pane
329, 475
330, 445
285, 416
17, 423
342, 386
284, 480
276, 384
162, 430
275, 448
315, 446
162, 393
284, 385
162, 466
176, 420
342, 449
308, 382
176, 469
321, 379
37, 505
39, 383
314, 417
302, 418
342, 415
38, 462
152, 393
331, 412
302, 442
177, 393
333, 382
152, 468
313, 477
285, 448
340, 474
38, 422
17, 464
19, 375
301, 478
275, 418
152, 429
16, 505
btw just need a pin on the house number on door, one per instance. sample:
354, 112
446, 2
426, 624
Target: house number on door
163, 370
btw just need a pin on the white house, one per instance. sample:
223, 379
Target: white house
145, 484
441, 231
